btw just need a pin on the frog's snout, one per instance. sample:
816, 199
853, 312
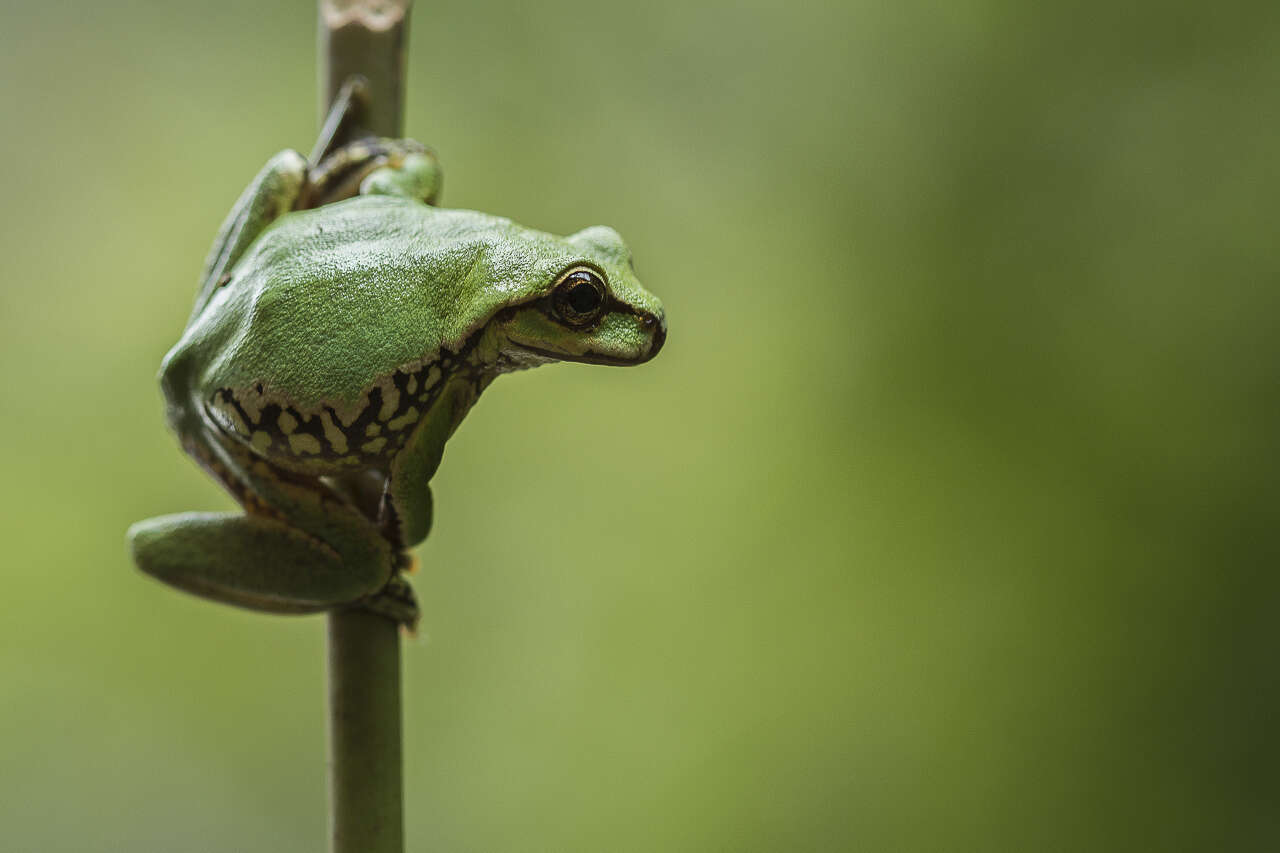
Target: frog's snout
658, 329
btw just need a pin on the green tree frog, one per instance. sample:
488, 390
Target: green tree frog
342, 329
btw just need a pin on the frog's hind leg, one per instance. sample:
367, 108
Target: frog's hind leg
246, 560
315, 508
262, 564
273, 192
300, 546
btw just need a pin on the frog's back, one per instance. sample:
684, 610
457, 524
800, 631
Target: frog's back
340, 322
329, 300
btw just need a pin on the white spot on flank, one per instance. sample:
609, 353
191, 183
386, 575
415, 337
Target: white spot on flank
390, 399
336, 437
301, 443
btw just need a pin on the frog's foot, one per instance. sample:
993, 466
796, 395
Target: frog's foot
346, 113
347, 160
416, 175
395, 601
252, 561
374, 166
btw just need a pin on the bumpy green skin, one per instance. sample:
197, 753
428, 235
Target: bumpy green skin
332, 352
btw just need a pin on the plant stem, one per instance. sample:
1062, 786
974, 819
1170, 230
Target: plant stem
366, 38
366, 801
366, 787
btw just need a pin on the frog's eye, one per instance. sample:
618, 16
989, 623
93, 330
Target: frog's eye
578, 296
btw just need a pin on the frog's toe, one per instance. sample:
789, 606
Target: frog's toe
397, 602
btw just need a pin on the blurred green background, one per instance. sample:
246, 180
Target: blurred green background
947, 520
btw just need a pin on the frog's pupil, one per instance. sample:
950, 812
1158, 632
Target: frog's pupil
583, 298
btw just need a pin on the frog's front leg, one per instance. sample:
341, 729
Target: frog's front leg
406, 503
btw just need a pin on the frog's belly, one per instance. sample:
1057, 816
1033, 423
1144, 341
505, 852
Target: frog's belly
324, 439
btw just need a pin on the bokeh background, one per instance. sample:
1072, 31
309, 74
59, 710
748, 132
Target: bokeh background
947, 520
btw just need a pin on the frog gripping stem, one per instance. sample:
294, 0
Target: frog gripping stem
343, 328
364, 41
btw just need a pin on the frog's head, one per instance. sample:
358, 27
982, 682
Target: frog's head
592, 310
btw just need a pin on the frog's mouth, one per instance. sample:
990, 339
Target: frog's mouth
657, 337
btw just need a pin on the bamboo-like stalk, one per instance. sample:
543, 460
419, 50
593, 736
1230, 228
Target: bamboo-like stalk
366, 38
366, 787
366, 795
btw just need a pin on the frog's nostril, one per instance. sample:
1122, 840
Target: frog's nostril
659, 338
